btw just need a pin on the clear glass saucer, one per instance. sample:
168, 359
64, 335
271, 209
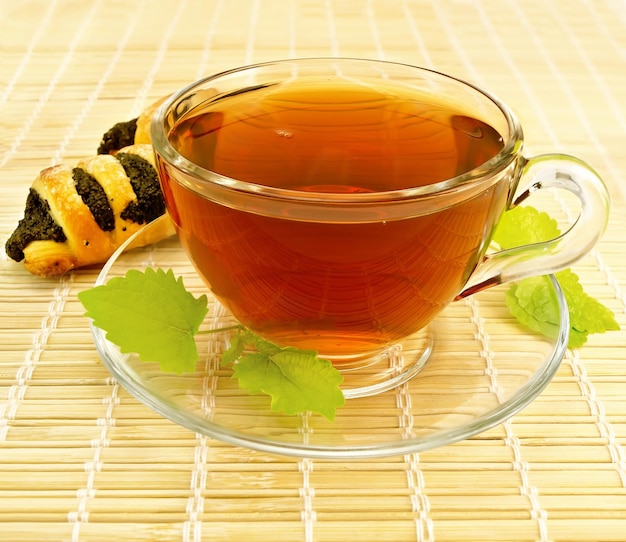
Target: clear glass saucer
482, 368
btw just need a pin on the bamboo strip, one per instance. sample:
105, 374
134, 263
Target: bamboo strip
570, 530
243, 508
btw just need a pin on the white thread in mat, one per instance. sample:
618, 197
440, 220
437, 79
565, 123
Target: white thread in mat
292, 29
619, 8
527, 489
566, 89
371, 21
34, 41
208, 41
94, 94
43, 99
420, 504
81, 515
24, 373
253, 22
616, 450
212, 365
332, 28
140, 97
605, 31
600, 84
610, 278
416, 35
307, 493
192, 528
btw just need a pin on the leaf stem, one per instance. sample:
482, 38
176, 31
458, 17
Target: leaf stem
220, 329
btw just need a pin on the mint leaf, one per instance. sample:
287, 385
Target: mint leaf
587, 314
531, 301
149, 313
524, 225
152, 314
296, 380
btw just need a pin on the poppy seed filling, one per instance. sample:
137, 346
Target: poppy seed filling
150, 203
37, 225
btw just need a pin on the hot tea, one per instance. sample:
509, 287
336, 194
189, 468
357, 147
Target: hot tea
339, 287
337, 137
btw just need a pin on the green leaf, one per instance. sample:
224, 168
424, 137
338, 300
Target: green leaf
524, 225
149, 313
296, 380
532, 301
587, 314
152, 314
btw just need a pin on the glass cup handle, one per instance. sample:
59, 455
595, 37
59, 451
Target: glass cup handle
538, 173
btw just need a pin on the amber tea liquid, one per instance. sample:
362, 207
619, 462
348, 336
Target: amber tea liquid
339, 288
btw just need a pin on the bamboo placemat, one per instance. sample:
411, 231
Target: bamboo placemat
81, 460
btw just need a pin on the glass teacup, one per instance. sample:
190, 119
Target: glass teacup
340, 204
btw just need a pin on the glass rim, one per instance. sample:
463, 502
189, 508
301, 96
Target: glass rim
468, 180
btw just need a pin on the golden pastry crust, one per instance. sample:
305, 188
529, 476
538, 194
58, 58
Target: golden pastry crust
142, 134
119, 195
86, 242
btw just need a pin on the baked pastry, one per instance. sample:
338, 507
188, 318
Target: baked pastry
75, 217
132, 132
79, 216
